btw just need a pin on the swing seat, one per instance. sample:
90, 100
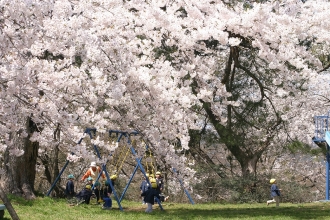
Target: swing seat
2, 210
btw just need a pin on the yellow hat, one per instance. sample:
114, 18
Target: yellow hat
88, 186
113, 177
272, 181
158, 173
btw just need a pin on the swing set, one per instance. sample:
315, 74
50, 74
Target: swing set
148, 158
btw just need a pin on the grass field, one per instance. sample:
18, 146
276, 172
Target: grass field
48, 209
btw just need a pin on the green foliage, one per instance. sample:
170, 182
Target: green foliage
322, 148
321, 51
245, 190
238, 190
78, 61
318, 151
297, 146
165, 51
141, 37
48, 208
296, 193
50, 56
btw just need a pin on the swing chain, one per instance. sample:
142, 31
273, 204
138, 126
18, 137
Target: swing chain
122, 161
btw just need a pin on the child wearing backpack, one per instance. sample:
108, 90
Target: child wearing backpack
150, 194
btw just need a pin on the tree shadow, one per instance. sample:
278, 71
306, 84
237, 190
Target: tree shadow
241, 213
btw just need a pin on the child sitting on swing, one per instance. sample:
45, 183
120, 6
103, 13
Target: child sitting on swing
150, 194
107, 191
98, 191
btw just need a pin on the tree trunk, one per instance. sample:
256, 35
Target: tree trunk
199, 155
249, 165
21, 170
234, 143
50, 161
56, 170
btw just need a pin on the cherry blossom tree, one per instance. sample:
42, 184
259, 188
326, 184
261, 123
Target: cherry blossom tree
147, 66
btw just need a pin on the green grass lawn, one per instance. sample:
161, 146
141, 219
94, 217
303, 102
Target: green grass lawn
48, 208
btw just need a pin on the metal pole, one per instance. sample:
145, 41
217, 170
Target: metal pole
327, 174
185, 190
112, 187
129, 182
57, 178
327, 140
97, 152
328, 159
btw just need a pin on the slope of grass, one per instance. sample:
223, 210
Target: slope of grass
48, 208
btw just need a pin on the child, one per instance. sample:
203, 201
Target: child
107, 191
69, 189
274, 193
160, 186
89, 181
150, 194
98, 192
85, 194
144, 187
160, 183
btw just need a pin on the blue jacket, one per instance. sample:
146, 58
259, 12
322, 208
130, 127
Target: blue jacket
69, 189
107, 189
274, 191
144, 186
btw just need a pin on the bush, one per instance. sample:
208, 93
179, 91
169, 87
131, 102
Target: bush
250, 190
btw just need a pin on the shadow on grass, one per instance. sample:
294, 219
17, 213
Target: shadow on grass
243, 213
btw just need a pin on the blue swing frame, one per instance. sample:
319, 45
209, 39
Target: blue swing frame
322, 135
138, 160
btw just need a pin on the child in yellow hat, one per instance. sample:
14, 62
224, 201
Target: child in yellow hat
275, 193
